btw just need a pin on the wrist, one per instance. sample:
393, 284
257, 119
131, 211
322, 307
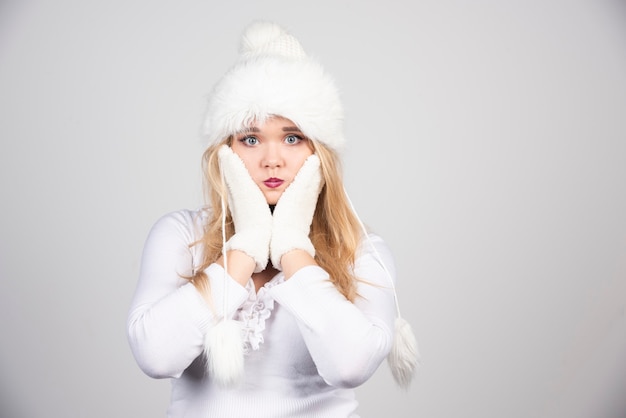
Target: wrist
286, 240
240, 266
254, 244
294, 260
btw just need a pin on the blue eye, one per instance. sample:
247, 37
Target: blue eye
293, 139
249, 140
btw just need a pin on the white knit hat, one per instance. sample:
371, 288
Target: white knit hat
275, 77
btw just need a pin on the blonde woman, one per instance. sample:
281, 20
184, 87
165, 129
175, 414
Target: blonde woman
272, 301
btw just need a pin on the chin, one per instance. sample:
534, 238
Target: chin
272, 198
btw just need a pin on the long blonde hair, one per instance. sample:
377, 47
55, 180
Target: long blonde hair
335, 229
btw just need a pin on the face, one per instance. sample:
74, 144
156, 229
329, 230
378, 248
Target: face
273, 152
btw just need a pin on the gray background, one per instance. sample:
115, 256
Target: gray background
487, 146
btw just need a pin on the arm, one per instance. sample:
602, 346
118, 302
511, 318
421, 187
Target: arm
168, 318
347, 341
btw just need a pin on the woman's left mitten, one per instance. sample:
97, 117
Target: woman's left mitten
294, 212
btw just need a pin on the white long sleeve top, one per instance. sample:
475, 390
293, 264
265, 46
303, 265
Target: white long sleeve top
306, 345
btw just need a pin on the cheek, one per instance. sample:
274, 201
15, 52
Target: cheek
302, 156
246, 156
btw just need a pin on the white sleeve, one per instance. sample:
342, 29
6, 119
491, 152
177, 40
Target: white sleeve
168, 317
347, 341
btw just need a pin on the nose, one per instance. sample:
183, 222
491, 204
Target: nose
273, 157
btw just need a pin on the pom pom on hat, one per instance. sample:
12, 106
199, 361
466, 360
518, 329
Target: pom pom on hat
269, 38
275, 77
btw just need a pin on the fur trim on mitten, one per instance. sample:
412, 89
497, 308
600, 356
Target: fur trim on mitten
249, 209
294, 212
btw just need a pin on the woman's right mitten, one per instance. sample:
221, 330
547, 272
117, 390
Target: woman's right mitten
249, 209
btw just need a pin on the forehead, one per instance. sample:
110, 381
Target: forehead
272, 122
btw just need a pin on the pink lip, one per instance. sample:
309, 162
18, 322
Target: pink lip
273, 182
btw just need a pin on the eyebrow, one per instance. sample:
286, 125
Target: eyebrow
284, 129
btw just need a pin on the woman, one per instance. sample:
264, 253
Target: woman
272, 301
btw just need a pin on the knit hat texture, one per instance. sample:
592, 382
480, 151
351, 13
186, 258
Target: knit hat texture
275, 77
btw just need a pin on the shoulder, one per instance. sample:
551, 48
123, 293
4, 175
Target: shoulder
373, 243
184, 222
374, 251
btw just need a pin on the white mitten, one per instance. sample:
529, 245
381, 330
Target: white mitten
294, 212
249, 209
